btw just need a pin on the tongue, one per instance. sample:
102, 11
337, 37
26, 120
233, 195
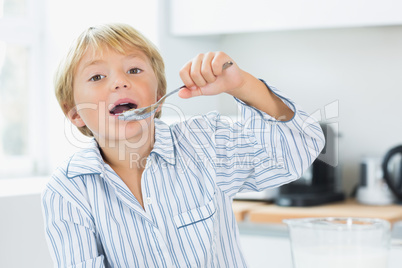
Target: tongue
120, 109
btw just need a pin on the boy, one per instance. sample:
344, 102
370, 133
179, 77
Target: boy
145, 194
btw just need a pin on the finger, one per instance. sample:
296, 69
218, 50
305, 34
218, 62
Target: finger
185, 75
195, 72
186, 93
206, 68
219, 60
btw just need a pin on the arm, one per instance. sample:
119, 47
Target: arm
69, 234
262, 99
261, 151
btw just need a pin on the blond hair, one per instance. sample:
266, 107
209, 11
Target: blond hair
118, 37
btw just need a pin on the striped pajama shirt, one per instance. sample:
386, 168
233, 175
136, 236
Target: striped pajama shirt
192, 174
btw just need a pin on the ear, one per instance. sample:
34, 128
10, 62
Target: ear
75, 118
160, 106
158, 97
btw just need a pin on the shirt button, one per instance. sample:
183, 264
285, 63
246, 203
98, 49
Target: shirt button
149, 200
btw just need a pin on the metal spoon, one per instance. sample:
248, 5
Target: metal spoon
145, 112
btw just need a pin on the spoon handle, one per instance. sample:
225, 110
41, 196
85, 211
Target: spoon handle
170, 93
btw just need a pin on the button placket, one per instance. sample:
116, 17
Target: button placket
146, 194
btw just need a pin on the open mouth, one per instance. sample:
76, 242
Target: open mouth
122, 107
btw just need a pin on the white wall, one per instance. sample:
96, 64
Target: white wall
22, 237
359, 67
176, 52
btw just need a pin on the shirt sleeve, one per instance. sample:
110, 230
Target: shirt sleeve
69, 232
259, 152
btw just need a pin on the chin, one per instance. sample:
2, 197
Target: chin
132, 131
135, 130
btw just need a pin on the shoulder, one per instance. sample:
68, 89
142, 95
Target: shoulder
59, 176
70, 180
60, 181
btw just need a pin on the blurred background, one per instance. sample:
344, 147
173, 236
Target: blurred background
341, 62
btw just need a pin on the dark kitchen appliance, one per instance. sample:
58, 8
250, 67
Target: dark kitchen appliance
392, 171
320, 184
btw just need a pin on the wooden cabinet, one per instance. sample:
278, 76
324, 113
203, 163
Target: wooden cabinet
203, 17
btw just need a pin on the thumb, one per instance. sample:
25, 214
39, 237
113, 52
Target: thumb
186, 93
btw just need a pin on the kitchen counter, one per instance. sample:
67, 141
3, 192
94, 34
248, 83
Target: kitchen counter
263, 212
265, 238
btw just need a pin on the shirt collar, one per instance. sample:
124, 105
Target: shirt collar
87, 161
90, 161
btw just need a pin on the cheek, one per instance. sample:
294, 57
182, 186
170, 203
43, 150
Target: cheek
154, 88
87, 94
90, 104
93, 114
149, 97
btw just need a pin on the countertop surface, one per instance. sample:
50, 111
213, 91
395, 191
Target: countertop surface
263, 212
266, 238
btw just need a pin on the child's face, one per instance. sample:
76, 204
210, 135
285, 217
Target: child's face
104, 83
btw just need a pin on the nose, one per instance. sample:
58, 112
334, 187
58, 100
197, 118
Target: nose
118, 86
120, 82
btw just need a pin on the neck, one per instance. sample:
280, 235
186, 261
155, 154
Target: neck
129, 154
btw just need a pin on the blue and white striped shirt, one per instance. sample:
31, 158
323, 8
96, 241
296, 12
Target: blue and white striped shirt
192, 174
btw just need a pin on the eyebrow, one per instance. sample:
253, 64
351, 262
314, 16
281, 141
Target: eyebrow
92, 62
137, 55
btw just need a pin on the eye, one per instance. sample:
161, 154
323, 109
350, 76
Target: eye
134, 71
97, 77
